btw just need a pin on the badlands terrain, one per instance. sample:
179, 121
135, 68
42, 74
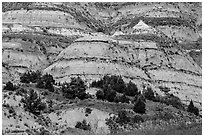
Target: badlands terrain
156, 46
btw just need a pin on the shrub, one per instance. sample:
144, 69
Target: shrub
192, 109
76, 88
100, 95
118, 84
21, 92
137, 119
46, 81
11, 110
141, 96
112, 124
88, 110
172, 100
131, 89
149, 94
25, 78
10, 86
165, 115
139, 105
44, 131
124, 99
32, 103
164, 89
117, 99
122, 117
110, 94
83, 125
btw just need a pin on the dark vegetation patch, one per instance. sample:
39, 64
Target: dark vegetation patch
32, 103
192, 109
164, 89
112, 84
43, 81
76, 88
10, 86
83, 125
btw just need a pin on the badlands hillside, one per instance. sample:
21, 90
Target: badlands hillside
154, 45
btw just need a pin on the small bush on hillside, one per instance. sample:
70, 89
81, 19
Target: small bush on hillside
118, 84
100, 95
21, 92
117, 99
139, 105
25, 78
122, 117
110, 94
141, 96
33, 103
165, 115
172, 100
149, 94
137, 119
10, 86
131, 89
83, 125
11, 110
124, 99
88, 110
112, 124
193, 109
164, 89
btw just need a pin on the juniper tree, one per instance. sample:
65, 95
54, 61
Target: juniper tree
193, 109
139, 105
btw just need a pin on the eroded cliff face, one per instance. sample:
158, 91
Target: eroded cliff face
148, 43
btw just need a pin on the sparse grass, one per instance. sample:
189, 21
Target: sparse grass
194, 129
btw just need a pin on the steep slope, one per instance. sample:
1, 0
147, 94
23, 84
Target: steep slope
19, 56
148, 43
145, 55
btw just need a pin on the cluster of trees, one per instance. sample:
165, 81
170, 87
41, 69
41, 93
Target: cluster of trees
83, 125
170, 99
110, 85
43, 81
30, 76
122, 119
46, 81
76, 88
10, 86
32, 103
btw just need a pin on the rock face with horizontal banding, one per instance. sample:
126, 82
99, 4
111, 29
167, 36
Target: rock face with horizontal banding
154, 44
